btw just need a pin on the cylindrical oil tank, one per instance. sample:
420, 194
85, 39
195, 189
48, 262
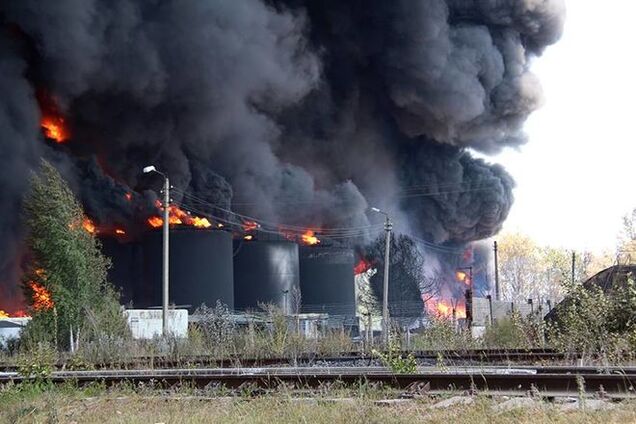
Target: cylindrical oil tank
126, 265
266, 272
200, 268
326, 280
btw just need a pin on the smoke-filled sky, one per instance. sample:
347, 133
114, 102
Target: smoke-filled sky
302, 112
575, 177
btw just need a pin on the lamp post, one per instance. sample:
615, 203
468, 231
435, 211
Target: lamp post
388, 226
166, 246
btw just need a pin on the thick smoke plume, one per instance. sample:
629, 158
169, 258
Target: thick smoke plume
295, 111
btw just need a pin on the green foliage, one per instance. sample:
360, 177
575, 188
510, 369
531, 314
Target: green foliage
514, 332
595, 323
441, 334
216, 326
39, 363
67, 261
505, 333
395, 361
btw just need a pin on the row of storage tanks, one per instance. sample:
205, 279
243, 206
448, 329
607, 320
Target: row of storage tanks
208, 265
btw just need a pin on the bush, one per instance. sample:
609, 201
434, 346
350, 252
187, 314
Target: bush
441, 334
514, 332
395, 361
593, 323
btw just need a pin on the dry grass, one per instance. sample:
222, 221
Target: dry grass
125, 406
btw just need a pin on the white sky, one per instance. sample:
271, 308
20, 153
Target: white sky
575, 176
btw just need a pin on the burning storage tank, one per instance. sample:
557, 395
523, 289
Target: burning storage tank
126, 265
326, 280
200, 268
265, 271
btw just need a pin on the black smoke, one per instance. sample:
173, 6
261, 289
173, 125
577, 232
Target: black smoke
295, 111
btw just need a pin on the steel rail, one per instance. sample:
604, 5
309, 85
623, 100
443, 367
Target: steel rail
482, 356
471, 381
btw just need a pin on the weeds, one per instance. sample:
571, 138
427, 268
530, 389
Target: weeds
395, 361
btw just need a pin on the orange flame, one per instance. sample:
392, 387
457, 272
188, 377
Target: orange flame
54, 128
178, 216
120, 232
89, 225
52, 120
310, 238
462, 277
248, 237
444, 309
361, 266
19, 314
41, 297
155, 221
250, 225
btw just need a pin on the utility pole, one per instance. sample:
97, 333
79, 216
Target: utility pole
166, 253
166, 248
285, 308
573, 265
388, 226
496, 273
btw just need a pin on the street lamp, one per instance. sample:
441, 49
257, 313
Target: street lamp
166, 245
388, 226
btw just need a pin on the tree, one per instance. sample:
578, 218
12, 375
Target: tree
626, 249
519, 266
407, 277
530, 271
66, 278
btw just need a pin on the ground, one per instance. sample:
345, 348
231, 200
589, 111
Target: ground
97, 405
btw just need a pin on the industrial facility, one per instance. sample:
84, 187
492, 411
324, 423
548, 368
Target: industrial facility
212, 265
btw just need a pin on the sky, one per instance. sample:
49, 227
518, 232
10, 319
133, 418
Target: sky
575, 178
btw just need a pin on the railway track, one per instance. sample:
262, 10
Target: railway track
544, 381
531, 356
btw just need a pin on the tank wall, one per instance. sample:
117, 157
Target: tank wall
200, 269
126, 266
327, 280
265, 272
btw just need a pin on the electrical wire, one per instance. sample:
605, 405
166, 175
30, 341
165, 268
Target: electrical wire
332, 233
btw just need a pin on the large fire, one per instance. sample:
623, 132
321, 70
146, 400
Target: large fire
52, 120
310, 238
18, 314
42, 300
443, 308
178, 216
54, 128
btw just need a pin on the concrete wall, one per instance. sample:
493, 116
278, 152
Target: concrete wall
148, 323
500, 310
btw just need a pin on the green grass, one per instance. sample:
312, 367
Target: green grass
96, 404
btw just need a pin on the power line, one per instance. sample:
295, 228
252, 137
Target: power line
281, 226
332, 233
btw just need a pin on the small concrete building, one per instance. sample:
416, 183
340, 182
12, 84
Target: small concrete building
10, 328
148, 323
